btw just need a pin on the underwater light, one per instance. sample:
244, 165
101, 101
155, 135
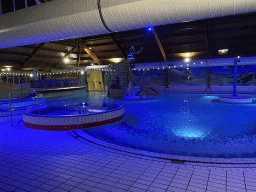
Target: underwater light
189, 132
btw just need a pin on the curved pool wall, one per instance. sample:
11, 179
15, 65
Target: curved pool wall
235, 99
17, 103
62, 122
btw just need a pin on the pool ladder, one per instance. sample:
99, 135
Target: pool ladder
10, 102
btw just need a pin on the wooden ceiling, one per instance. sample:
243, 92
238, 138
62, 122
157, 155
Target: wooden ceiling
202, 39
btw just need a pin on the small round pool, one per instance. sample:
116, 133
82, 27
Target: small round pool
73, 116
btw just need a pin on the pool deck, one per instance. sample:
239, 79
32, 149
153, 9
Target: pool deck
34, 160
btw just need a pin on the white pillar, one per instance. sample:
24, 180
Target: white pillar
1, 11
35, 73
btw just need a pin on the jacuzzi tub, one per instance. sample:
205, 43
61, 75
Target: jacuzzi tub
74, 116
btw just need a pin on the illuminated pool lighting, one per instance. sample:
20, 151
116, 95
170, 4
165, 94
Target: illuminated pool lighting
189, 132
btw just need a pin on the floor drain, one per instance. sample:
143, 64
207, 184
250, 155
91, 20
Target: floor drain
178, 162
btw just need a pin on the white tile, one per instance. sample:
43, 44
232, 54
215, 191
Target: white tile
94, 118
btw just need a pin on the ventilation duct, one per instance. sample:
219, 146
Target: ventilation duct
67, 19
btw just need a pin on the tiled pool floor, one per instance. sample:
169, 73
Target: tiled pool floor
34, 160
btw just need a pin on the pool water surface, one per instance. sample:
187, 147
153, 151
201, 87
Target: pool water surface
181, 124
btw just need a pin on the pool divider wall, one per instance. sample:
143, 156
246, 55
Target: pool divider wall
71, 122
21, 103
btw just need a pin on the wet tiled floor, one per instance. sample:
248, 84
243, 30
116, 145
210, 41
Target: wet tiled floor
35, 160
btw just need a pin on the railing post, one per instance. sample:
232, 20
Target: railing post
235, 76
10, 109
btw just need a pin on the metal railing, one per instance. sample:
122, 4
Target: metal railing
10, 102
56, 83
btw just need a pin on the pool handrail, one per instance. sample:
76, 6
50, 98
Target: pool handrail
11, 102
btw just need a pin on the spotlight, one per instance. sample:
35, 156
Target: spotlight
66, 60
223, 51
150, 29
187, 60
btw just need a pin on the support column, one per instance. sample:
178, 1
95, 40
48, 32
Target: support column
235, 76
35, 73
208, 78
1, 10
166, 78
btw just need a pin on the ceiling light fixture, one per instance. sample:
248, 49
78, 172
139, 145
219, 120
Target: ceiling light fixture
187, 60
66, 60
223, 51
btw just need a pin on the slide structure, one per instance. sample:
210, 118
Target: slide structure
118, 77
148, 91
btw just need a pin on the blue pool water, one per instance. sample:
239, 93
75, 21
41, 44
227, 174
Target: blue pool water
179, 124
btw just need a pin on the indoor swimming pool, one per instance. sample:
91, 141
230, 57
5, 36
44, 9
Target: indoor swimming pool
178, 124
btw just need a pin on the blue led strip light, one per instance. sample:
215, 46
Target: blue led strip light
101, 17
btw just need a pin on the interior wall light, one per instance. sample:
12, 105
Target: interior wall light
223, 51
187, 60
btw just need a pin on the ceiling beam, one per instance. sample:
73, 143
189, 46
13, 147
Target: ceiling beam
70, 51
31, 54
1, 11
119, 46
92, 55
48, 49
159, 44
37, 2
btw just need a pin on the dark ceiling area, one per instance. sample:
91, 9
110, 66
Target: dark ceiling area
196, 39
